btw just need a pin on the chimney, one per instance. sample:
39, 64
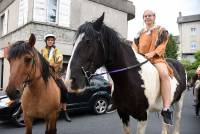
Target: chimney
180, 14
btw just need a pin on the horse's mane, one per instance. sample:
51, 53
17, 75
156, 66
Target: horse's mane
109, 34
20, 48
112, 39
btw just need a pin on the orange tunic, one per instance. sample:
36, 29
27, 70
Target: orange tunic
148, 43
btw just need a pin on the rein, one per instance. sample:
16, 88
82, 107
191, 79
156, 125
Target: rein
88, 76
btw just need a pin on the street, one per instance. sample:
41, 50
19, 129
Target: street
110, 123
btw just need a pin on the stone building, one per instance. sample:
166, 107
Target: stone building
189, 29
19, 18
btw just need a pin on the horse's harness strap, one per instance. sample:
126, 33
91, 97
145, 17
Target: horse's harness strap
28, 80
88, 76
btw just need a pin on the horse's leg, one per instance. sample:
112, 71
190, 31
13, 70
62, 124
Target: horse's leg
47, 125
165, 128
141, 127
52, 123
126, 121
178, 110
28, 122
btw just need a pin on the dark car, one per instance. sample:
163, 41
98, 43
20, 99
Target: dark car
11, 110
95, 98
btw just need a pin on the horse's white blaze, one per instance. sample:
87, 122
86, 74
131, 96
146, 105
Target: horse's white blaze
80, 37
152, 84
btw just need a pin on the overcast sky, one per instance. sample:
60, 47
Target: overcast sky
166, 11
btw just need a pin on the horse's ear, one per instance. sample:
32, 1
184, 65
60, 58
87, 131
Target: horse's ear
32, 40
99, 22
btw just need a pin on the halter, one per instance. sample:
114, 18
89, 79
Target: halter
88, 75
28, 81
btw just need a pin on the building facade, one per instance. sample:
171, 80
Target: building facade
20, 18
189, 28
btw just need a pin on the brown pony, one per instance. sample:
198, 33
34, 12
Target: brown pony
30, 75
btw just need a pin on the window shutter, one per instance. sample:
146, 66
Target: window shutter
40, 10
64, 13
23, 12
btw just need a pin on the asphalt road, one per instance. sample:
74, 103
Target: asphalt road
110, 123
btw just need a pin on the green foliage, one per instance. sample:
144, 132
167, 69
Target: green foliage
197, 56
171, 48
190, 74
191, 67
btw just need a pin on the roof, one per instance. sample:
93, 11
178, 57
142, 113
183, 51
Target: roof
190, 18
121, 5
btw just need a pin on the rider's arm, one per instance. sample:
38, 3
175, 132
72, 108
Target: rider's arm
160, 49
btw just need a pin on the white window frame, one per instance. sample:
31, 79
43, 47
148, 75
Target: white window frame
193, 45
4, 23
63, 8
193, 30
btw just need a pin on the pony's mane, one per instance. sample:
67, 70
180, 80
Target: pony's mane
21, 48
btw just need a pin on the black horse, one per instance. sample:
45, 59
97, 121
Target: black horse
136, 80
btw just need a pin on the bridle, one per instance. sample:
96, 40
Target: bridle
29, 81
88, 75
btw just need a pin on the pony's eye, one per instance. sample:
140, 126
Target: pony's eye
27, 60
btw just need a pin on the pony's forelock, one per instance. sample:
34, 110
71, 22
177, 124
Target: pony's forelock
21, 48
18, 49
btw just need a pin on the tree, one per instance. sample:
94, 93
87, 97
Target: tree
192, 66
171, 49
197, 56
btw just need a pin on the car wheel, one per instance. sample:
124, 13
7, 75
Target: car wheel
18, 119
100, 106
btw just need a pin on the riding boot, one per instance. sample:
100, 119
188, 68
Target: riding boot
67, 118
111, 108
167, 116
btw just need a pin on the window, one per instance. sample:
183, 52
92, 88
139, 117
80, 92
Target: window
3, 23
52, 11
193, 45
193, 31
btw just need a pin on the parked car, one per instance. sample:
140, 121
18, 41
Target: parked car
95, 98
11, 110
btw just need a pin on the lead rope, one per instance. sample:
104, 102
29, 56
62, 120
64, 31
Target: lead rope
111, 72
